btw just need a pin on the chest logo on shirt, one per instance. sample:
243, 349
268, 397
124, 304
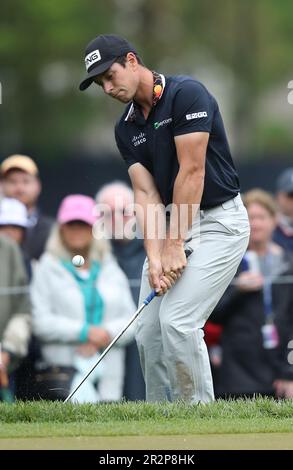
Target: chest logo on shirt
138, 139
162, 123
196, 115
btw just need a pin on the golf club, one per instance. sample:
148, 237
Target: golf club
188, 251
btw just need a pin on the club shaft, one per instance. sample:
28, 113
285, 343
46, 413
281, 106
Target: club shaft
188, 252
106, 351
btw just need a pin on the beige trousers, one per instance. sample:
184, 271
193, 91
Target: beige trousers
169, 332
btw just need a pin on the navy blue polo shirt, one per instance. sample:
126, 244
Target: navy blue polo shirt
184, 106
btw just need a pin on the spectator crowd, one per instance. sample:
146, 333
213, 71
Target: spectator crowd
56, 319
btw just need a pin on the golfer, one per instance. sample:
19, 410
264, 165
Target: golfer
172, 138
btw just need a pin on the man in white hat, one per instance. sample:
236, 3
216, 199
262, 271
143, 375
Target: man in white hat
14, 223
15, 322
13, 218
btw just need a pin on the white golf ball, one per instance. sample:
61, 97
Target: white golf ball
78, 261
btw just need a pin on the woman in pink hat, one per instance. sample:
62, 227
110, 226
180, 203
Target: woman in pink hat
78, 311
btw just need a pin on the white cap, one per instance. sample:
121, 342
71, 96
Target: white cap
13, 212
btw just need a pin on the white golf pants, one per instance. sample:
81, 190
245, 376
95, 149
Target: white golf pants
169, 332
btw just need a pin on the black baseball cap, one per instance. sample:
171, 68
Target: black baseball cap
285, 181
101, 53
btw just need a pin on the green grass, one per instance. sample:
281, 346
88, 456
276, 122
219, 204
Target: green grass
24, 419
146, 428
57, 412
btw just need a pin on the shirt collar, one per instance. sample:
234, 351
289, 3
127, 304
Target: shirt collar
158, 90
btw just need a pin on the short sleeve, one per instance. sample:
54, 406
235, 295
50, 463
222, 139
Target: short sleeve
124, 151
193, 109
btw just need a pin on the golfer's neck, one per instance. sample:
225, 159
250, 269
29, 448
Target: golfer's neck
144, 93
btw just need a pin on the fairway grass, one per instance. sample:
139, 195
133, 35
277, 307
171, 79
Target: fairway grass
251, 441
55, 419
148, 428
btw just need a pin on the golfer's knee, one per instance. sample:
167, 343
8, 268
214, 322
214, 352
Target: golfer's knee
145, 337
172, 331
176, 327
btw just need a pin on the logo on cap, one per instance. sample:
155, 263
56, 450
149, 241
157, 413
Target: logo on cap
92, 58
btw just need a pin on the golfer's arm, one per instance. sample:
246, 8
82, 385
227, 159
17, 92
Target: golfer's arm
149, 209
189, 183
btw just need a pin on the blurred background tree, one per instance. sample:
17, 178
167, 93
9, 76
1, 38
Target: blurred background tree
241, 49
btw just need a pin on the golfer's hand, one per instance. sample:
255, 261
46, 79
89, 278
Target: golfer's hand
157, 279
173, 259
249, 282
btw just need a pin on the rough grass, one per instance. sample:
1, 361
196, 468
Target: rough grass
127, 412
24, 419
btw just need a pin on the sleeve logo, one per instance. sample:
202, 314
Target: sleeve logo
196, 115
